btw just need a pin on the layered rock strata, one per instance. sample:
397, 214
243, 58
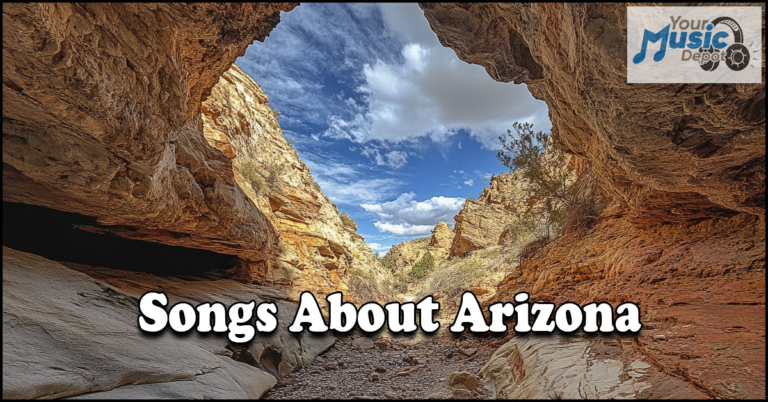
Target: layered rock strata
705, 144
683, 170
700, 289
131, 114
484, 222
406, 254
315, 246
101, 116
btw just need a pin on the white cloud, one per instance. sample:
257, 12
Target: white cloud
459, 144
405, 216
393, 159
396, 159
352, 192
379, 247
404, 229
419, 94
397, 89
469, 182
347, 184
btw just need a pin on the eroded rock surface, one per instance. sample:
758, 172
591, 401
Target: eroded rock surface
558, 367
682, 168
405, 255
485, 222
101, 116
315, 248
135, 115
701, 292
66, 334
705, 144
442, 236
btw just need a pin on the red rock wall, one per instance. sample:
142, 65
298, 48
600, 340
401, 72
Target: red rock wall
101, 116
706, 141
683, 167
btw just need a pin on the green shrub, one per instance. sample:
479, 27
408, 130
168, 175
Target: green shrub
547, 177
388, 261
249, 173
424, 266
369, 276
451, 278
274, 172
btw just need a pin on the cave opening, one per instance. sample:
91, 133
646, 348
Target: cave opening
52, 234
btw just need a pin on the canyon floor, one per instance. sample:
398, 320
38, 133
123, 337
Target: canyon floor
389, 367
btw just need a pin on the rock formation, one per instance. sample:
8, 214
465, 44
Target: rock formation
486, 221
403, 256
101, 111
481, 222
683, 168
315, 246
116, 112
442, 236
67, 333
133, 114
699, 288
694, 151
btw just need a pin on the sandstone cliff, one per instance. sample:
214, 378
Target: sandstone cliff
442, 236
128, 113
133, 114
482, 222
671, 153
402, 257
101, 116
315, 248
683, 167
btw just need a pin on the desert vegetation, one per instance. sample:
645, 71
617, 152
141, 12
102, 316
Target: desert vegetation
561, 201
263, 179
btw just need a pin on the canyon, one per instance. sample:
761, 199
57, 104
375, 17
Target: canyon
134, 120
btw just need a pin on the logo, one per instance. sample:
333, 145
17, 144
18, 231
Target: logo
694, 45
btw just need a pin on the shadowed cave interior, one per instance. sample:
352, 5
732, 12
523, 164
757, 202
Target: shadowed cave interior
51, 234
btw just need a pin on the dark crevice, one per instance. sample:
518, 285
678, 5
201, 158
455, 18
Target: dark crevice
53, 234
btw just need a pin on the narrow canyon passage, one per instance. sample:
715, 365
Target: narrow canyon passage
246, 154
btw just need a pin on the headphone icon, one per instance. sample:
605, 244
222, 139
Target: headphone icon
736, 55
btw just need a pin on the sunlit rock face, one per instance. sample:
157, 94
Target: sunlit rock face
490, 220
315, 248
682, 168
481, 222
135, 115
405, 255
442, 236
101, 116
705, 144
131, 114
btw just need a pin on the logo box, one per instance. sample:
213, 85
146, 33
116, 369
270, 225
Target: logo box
668, 45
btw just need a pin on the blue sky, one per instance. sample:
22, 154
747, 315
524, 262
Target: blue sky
397, 130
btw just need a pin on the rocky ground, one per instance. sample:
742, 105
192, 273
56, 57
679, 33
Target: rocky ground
387, 367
